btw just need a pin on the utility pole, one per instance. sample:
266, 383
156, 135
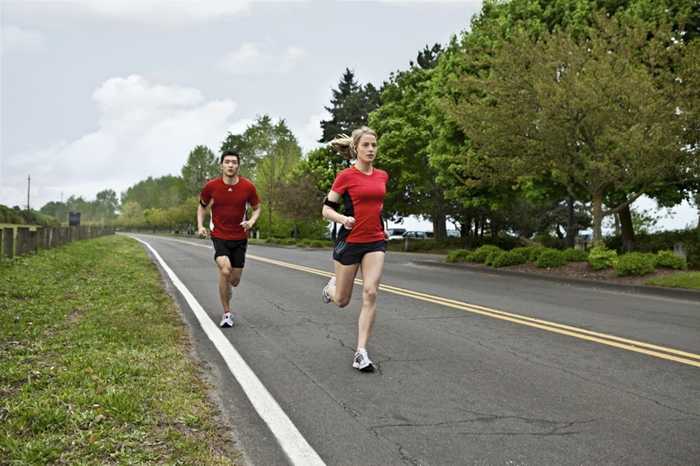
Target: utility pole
29, 183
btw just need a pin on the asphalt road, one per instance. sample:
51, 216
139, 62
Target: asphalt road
458, 381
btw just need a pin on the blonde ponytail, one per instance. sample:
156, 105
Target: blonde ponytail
347, 145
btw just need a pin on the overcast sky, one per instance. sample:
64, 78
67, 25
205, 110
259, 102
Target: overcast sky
99, 94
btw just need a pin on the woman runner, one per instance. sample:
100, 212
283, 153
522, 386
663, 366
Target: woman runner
361, 240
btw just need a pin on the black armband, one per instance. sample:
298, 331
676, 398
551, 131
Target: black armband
331, 204
202, 203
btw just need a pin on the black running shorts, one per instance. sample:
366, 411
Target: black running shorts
233, 249
352, 253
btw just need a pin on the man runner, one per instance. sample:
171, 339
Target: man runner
228, 197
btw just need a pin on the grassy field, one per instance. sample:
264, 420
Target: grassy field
94, 365
678, 280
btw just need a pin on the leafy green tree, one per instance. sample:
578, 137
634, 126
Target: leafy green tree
275, 168
320, 166
57, 210
405, 132
585, 112
274, 151
106, 205
162, 192
201, 166
297, 196
452, 153
254, 144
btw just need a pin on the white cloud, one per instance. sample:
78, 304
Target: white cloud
16, 39
251, 59
145, 129
476, 3
311, 132
161, 12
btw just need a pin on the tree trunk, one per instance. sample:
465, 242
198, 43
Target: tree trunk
627, 228
269, 217
439, 226
438, 216
597, 217
465, 227
571, 226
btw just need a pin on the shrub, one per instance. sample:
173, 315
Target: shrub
518, 256
575, 255
550, 258
635, 263
493, 256
670, 261
458, 255
535, 252
502, 259
601, 258
526, 251
665, 240
319, 243
481, 254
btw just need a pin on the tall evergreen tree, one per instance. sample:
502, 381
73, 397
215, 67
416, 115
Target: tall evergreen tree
350, 106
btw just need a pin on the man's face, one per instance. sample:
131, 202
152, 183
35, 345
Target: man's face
229, 165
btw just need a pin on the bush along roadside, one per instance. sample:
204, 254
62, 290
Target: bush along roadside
94, 366
599, 258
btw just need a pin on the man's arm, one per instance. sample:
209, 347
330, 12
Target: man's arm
201, 213
248, 224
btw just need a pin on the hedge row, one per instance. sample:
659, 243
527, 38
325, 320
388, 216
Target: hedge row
665, 240
599, 258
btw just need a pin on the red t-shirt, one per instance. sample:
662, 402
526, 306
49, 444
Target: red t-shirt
363, 198
229, 206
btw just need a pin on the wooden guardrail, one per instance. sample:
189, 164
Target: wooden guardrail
18, 241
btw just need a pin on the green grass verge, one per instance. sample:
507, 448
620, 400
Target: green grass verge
94, 366
678, 280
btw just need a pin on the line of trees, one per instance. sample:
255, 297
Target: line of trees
543, 119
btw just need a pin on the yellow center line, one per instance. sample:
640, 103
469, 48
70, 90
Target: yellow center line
662, 352
657, 351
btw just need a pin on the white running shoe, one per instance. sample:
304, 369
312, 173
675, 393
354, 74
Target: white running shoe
361, 362
227, 321
325, 295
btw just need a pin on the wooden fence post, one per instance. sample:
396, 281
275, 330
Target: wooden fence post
33, 241
8, 242
22, 241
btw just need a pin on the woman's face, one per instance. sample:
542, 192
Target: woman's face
367, 148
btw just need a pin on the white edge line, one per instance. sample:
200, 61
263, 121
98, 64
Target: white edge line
294, 445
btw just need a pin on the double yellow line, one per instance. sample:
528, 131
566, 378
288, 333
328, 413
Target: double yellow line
661, 352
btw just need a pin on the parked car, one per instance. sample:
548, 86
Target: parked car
395, 233
416, 235
453, 234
